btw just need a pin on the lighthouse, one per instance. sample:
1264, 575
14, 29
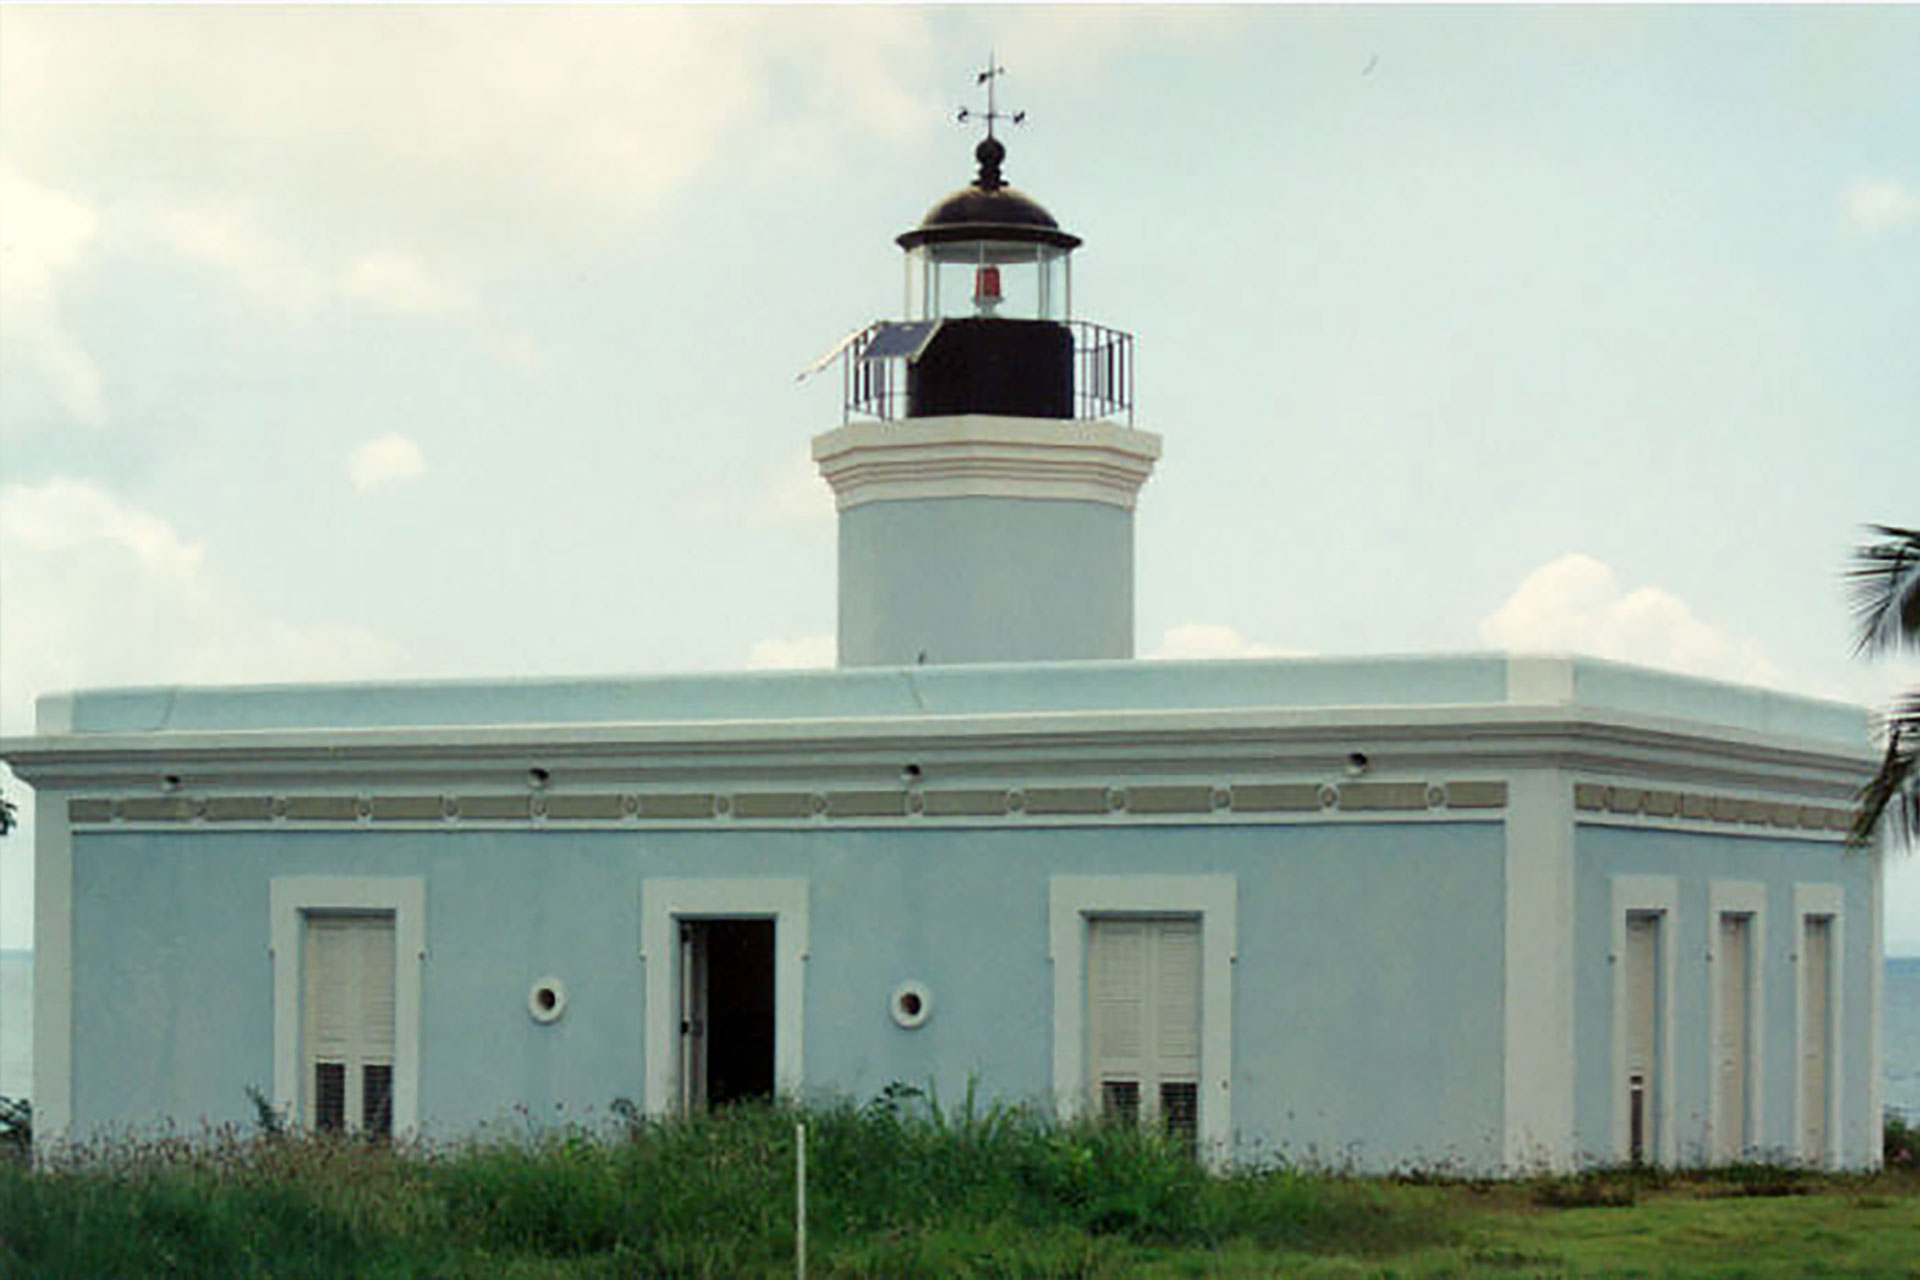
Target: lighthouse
986, 465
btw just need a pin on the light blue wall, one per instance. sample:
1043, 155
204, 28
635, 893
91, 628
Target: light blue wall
1367, 995
985, 580
1697, 859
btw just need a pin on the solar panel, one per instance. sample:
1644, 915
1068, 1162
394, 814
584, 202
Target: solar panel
898, 339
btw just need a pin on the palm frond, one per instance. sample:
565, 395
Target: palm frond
1885, 584
1895, 788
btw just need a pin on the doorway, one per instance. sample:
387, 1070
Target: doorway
726, 1010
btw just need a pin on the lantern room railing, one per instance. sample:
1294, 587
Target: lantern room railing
874, 384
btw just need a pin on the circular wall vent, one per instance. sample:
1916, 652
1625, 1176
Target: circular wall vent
547, 1000
912, 1004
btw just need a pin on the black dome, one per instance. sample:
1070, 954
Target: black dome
989, 209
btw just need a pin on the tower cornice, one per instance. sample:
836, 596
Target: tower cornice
986, 456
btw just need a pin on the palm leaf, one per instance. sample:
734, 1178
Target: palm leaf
1885, 584
1895, 787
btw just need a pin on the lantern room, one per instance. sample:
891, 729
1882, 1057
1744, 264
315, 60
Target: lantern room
988, 251
988, 325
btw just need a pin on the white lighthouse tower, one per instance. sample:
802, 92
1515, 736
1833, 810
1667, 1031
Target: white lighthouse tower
986, 467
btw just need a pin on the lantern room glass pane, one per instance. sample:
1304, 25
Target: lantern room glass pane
1007, 280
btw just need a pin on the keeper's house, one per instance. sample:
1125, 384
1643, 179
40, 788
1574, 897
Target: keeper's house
1495, 911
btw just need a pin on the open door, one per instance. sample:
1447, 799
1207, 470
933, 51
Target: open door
726, 1011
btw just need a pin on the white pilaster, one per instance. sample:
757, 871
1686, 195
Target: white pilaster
52, 969
1538, 1132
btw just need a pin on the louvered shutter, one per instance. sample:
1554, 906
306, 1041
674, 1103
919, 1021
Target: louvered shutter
1143, 990
1177, 997
1118, 980
349, 1022
1816, 960
1730, 1052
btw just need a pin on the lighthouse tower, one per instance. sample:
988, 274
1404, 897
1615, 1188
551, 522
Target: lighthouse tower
986, 467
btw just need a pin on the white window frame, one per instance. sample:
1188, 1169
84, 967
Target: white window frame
1820, 900
1739, 898
1072, 901
1634, 895
290, 900
664, 902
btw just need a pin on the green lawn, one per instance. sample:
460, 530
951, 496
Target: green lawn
898, 1188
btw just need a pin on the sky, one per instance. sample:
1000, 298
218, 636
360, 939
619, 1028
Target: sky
363, 342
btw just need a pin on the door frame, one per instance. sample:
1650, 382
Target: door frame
666, 901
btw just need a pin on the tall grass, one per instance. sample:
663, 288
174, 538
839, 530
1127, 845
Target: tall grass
897, 1187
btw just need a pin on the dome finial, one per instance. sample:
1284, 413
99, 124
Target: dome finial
991, 150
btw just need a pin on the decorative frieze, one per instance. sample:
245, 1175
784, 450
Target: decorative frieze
1148, 800
1723, 810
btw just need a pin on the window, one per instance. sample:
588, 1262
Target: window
1737, 1015
1143, 984
347, 1035
347, 956
1642, 959
1143, 1000
1644, 1047
1818, 1007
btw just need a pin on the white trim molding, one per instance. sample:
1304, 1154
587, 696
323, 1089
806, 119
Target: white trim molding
664, 902
1538, 1091
52, 967
1738, 898
1071, 900
985, 456
1653, 895
1815, 901
290, 900
1876, 997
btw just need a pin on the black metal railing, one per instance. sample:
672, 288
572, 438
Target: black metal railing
875, 386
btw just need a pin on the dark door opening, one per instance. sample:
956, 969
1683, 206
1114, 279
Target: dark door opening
726, 1020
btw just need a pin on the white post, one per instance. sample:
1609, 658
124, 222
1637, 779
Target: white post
800, 1201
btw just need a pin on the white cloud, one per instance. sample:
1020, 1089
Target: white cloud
495, 127
1576, 604
398, 283
46, 235
101, 592
1215, 640
231, 240
794, 494
1878, 205
388, 460
799, 652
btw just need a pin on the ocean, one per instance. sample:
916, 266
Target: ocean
1900, 1037
16, 1023
1900, 1043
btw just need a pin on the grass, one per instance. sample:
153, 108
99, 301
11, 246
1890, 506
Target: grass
900, 1188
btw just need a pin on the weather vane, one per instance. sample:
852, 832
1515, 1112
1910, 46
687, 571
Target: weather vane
993, 72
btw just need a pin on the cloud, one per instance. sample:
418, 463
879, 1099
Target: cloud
396, 282
1576, 604
388, 460
286, 279
45, 236
794, 494
101, 592
500, 127
1215, 640
1875, 206
230, 240
799, 652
